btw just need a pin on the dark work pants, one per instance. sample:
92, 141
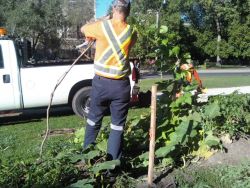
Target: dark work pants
115, 95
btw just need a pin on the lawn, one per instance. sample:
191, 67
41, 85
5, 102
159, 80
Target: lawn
209, 82
21, 137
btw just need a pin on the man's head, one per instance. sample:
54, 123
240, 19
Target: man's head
122, 7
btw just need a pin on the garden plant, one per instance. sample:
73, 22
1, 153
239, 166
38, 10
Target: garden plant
187, 129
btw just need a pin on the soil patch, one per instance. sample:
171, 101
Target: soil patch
59, 132
235, 153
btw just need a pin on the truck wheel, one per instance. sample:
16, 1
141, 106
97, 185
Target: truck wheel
81, 102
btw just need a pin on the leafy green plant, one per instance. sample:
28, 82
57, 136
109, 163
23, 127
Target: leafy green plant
229, 114
182, 131
185, 130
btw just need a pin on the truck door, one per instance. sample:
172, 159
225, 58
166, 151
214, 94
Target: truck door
7, 97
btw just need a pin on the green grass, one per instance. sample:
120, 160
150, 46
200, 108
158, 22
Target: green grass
213, 66
20, 137
226, 81
146, 84
22, 140
209, 82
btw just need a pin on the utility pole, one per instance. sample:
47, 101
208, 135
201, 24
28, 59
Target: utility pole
95, 9
163, 6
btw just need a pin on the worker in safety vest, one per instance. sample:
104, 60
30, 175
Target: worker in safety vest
110, 86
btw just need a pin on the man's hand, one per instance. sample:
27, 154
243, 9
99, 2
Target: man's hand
86, 43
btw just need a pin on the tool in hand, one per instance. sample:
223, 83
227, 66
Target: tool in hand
88, 44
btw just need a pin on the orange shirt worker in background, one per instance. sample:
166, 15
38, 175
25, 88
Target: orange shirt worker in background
110, 86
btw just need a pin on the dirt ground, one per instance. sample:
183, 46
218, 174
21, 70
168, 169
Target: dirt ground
233, 154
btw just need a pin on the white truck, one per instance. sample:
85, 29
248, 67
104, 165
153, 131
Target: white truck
25, 86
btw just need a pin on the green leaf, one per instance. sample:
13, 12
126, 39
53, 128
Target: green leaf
185, 99
176, 50
163, 151
247, 118
61, 155
175, 119
145, 163
212, 110
164, 42
91, 154
211, 140
152, 27
79, 135
193, 134
195, 117
86, 183
187, 56
102, 146
76, 158
108, 165
137, 120
164, 136
163, 29
167, 161
182, 131
190, 88
178, 76
174, 138
144, 156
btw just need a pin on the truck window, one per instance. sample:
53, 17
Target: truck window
1, 58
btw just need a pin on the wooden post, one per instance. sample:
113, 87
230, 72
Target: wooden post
152, 137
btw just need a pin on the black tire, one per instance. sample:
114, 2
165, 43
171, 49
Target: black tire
81, 102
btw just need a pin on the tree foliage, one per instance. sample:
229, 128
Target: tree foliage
226, 18
207, 29
45, 22
78, 13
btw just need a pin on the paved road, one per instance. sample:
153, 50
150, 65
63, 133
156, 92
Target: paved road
211, 73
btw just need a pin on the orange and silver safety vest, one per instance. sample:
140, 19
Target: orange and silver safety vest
119, 48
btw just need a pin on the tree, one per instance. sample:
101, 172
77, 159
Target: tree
145, 16
45, 22
212, 26
212, 30
39, 21
77, 13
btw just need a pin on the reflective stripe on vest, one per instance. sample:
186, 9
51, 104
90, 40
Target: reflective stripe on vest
115, 49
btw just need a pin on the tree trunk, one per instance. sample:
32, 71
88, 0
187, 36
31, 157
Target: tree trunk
35, 41
218, 29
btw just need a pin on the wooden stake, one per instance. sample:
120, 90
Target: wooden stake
152, 137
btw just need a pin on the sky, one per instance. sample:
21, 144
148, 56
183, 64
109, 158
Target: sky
102, 7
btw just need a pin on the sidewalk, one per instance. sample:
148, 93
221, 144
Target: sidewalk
238, 70
228, 70
220, 91
227, 91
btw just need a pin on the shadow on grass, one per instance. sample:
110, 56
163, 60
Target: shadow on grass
35, 115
